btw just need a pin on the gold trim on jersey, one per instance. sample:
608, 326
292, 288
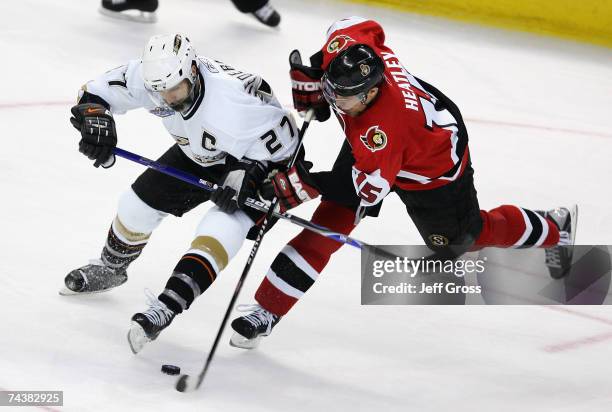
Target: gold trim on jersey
180, 140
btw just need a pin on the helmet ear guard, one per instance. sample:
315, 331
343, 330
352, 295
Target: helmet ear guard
363, 98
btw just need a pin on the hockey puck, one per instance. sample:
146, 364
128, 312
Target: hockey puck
170, 369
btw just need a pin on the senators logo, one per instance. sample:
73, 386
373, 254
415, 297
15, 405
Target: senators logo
374, 139
338, 43
365, 69
438, 240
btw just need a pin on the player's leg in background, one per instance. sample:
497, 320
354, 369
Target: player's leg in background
554, 230
505, 226
513, 226
450, 216
135, 10
262, 10
450, 222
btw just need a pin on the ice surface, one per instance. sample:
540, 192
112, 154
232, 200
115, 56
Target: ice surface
538, 111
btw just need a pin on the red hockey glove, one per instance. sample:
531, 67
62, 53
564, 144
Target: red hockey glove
292, 187
306, 88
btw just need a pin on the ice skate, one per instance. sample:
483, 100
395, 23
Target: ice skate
95, 277
142, 11
267, 15
250, 328
147, 325
559, 258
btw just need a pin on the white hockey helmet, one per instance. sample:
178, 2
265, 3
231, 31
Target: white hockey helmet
166, 62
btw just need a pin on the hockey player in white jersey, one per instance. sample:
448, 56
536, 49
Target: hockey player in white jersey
228, 128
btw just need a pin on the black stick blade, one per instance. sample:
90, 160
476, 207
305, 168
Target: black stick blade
185, 384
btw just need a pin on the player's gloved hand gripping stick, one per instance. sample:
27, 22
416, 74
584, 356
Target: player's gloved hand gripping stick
98, 134
253, 203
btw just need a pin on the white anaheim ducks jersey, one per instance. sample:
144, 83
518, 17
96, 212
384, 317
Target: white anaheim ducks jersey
235, 113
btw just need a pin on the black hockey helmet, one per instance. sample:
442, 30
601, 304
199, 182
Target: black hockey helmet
354, 71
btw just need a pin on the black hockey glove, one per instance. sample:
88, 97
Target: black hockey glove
292, 187
98, 134
306, 87
240, 182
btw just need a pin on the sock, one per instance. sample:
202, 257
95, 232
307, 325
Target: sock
297, 266
512, 226
122, 246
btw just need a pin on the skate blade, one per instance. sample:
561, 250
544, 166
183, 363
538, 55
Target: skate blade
136, 15
67, 292
277, 27
239, 341
137, 338
558, 273
574, 223
187, 383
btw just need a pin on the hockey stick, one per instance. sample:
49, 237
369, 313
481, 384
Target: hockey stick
186, 383
253, 203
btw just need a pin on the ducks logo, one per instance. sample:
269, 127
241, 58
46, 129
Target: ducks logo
374, 139
338, 43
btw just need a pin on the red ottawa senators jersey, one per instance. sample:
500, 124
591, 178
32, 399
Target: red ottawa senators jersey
401, 139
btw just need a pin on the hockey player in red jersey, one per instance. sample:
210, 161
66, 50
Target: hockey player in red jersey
402, 135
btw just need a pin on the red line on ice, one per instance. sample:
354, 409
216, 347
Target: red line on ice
580, 314
564, 346
589, 340
532, 126
18, 105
